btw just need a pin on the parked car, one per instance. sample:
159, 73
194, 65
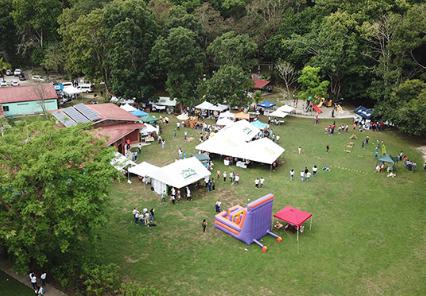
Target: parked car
17, 72
85, 87
9, 72
38, 78
15, 82
3, 83
22, 77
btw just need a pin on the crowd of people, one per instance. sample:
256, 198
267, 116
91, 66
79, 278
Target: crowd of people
146, 218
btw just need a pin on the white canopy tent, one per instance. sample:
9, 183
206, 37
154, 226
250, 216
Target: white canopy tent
71, 90
211, 107
128, 107
178, 174
148, 128
286, 109
224, 122
235, 140
228, 115
183, 117
278, 113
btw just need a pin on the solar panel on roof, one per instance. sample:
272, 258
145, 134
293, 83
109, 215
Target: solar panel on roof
86, 111
63, 118
75, 115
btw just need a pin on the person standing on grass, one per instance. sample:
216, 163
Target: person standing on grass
256, 182
316, 119
163, 142
302, 175
224, 176
180, 153
292, 174
204, 225
188, 193
173, 199
299, 149
231, 177
218, 174
327, 148
367, 138
152, 215
262, 182
136, 215
185, 136
314, 170
237, 179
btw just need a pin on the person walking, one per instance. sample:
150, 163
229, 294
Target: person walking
218, 174
40, 291
231, 177
185, 136
262, 182
292, 174
204, 225
367, 138
163, 142
152, 215
256, 182
327, 148
224, 176
299, 149
314, 170
302, 175
188, 193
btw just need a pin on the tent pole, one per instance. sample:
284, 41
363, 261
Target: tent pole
310, 224
297, 240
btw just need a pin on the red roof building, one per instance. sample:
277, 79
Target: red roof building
27, 93
119, 134
111, 113
260, 83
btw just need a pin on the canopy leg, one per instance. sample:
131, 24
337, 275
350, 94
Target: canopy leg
310, 224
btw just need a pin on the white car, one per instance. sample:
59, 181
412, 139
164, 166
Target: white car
38, 78
3, 83
85, 87
17, 72
9, 72
15, 82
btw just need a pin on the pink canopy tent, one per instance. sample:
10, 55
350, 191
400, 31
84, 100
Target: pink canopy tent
294, 217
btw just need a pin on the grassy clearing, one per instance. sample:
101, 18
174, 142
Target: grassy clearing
11, 287
368, 235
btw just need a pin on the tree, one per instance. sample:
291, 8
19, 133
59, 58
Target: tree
3, 66
54, 58
180, 56
229, 85
310, 82
288, 74
179, 17
233, 49
8, 37
406, 107
34, 21
85, 43
131, 31
54, 184
212, 23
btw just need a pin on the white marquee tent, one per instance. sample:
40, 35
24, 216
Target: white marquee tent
278, 113
128, 107
178, 174
286, 109
211, 107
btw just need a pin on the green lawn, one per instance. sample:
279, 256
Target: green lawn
368, 235
11, 287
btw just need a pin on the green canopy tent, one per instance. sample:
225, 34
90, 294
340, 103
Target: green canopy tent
148, 119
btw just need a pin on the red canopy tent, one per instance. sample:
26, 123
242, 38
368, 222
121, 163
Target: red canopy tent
294, 217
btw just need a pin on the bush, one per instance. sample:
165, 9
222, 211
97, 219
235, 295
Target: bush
134, 289
101, 279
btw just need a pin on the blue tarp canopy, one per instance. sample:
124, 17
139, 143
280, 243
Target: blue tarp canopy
266, 104
139, 113
386, 158
59, 86
364, 112
259, 124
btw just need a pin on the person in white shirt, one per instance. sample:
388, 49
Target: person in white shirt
314, 170
292, 174
40, 291
188, 193
33, 280
224, 176
231, 176
136, 216
237, 179
302, 175
262, 182
256, 182
43, 279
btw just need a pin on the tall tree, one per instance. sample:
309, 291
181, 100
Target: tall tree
34, 21
233, 49
229, 85
288, 74
53, 188
311, 84
182, 59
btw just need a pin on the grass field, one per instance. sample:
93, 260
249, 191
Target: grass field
11, 287
368, 235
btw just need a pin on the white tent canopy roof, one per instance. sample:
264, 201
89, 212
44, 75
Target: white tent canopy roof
286, 109
182, 116
278, 113
211, 107
178, 174
227, 114
128, 107
224, 121
233, 140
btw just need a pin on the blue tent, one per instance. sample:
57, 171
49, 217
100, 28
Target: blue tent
266, 104
59, 86
139, 113
259, 124
386, 158
364, 112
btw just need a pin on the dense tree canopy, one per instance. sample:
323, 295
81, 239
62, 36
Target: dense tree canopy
53, 187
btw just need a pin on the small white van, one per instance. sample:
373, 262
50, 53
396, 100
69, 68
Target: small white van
85, 87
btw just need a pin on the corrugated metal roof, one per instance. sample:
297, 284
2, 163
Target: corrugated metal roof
27, 93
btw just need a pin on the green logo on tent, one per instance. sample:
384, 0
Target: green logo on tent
186, 173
